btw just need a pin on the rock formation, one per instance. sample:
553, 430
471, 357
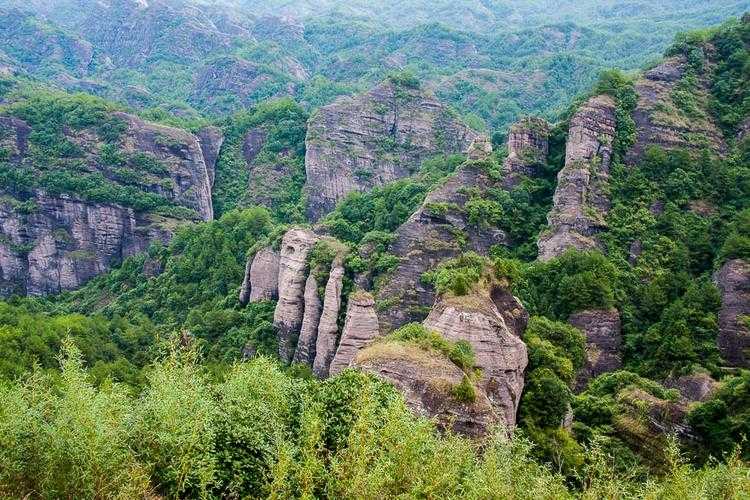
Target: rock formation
660, 122
733, 280
425, 379
261, 280
528, 147
360, 328
603, 343
581, 201
500, 355
360, 142
305, 351
211, 139
325, 345
287, 318
694, 387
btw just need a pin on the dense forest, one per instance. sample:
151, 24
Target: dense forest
139, 217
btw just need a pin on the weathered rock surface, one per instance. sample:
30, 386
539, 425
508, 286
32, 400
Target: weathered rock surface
265, 177
210, 139
427, 238
261, 280
425, 379
733, 280
360, 328
54, 242
325, 345
603, 334
382, 135
500, 355
695, 387
305, 351
528, 147
287, 318
581, 200
660, 122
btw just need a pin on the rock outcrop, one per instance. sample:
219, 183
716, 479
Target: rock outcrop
211, 139
500, 355
426, 378
603, 343
528, 147
360, 328
325, 345
660, 121
733, 280
261, 280
360, 142
53, 241
287, 318
581, 199
694, 387
308, 336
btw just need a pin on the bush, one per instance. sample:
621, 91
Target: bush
460, 352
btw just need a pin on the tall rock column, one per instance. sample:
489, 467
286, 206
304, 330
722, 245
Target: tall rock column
528, 147
733, 280
360, 328
261, 280
581, 201
325, 345
305, 352
287, 318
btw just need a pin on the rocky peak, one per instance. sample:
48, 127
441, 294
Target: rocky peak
581, 199
370, 139
528, 146
733, 280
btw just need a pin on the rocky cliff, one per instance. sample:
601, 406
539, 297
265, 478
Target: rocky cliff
261, 280
528, 147
581, 199
360, 328
603, 343
373, 138
104, 201
733, 280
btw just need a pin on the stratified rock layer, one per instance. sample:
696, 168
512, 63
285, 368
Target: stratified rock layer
287, 318
325, 345
305, 351
581, 202
360, 328
528, 147
733, 280
603, 342
261, 280
360, 142
500, 355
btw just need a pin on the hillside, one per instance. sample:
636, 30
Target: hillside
370, 295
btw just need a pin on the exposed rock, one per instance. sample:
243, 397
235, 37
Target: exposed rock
660, 122
360, 328
511, 309
427, 238
325, 345
528, 147
603, 342
265, 177
305, 352
581, 202
211, 139
261, 280
480, 148
360, 142
733, 280
425, 378
500, 355
695, 387
287, 318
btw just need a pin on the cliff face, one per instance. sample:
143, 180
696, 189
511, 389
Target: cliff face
603, 334
660, 121
733, 280
325, 345
581, 202
55, 238
528, 146
360, 328
360, 142
261, 277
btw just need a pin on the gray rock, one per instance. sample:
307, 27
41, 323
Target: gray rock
528, 147
325, 345
360, 328
694, 387
210, 139
733, 280
305, 352
261, 280
603, 334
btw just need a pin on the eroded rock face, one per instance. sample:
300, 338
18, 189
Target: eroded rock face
695, 387
360, 142
360, 328
305, 351
603, 334
210, 139
528, 146
427, 238
325, 345
261, 280
500, 355
659, 121
287, 318
733, 280
425, 380
581, 200
66, 241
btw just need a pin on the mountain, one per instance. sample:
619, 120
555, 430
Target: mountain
371, 295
